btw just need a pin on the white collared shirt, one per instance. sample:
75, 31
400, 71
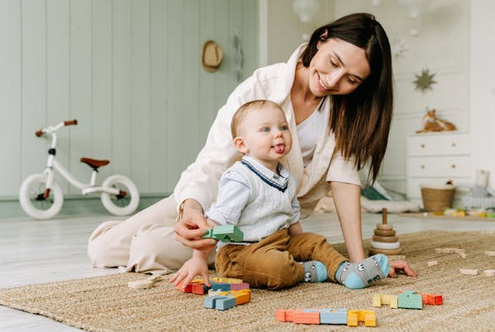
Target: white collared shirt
256, 200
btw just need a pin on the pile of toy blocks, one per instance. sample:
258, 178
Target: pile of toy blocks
407, 300
224, 293
327, 317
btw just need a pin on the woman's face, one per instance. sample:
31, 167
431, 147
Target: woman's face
338, 68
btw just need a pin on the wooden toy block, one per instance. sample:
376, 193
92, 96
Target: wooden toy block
225, 304
354, 317
225, 233
146, 283
449, 250
187, 289
471, 272
199, 288
141, 284
490, 253
432, 263
219, 302
333, 316
220, 286
410, 300
489, 273
240, 286
307, 316
227, 280
432, 299
380, 299
284, 315
242, 296
210, 301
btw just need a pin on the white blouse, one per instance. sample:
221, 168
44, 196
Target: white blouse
308, 131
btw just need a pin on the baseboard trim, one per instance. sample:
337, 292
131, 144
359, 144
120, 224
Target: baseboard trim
75, 205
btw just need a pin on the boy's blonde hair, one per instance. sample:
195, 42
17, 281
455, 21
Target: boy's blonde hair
242, 111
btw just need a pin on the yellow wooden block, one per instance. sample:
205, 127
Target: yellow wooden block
241, 296
356, 316
390, 300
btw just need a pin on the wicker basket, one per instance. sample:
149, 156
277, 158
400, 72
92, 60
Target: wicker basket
437, 197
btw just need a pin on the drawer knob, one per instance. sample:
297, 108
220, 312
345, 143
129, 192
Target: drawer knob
453, 166
423, 166
422, 146
454, 145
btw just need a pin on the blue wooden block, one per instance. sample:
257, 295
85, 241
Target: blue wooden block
211, 301
333, 316
410, 300
220, 286
225, 303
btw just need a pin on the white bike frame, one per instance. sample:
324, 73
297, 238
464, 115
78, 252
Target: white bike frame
52, 164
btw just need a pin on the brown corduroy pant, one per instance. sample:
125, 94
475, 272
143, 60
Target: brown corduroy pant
273, 262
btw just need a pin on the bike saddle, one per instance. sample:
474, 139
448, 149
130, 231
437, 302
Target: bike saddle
95, 164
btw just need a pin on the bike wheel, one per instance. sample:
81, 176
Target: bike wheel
120, 204
32, 200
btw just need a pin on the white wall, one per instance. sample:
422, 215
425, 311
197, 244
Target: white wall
282, 30
130, 72
482, 87
442, 46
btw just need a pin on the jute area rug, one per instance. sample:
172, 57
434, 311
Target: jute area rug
108, 304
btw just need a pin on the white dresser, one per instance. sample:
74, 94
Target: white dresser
435, 158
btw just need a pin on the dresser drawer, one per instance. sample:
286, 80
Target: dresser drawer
438, 144
439, 166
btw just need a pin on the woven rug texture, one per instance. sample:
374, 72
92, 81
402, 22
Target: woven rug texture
108, 304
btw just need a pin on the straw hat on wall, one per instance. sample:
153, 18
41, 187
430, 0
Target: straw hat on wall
212, 56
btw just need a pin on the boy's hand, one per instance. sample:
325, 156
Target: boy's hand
402, 266
193, 267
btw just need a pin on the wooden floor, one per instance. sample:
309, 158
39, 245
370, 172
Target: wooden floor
45, 251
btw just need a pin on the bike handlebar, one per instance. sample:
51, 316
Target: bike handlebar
70, 122
52, 129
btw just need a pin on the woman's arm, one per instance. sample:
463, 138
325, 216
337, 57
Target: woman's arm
347, 198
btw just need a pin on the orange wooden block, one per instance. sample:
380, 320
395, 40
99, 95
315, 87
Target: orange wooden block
241, 296
307, 316
284, 315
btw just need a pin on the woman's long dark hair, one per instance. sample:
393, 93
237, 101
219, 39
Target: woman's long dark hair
361, 120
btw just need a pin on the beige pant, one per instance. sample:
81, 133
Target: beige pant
143, 243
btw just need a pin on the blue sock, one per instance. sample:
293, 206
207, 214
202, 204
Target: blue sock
314, 271
363, 274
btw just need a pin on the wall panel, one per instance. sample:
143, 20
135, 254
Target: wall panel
128, 70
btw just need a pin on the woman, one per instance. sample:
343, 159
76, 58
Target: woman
337, 96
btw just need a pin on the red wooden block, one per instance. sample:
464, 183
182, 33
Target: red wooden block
433, 299
198, 289
187, 289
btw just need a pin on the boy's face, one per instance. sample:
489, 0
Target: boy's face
264, 135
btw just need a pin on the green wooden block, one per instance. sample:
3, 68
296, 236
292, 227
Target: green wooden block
225, 233
410, 300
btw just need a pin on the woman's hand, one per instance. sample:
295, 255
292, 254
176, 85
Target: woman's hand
401, 266
192, 226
